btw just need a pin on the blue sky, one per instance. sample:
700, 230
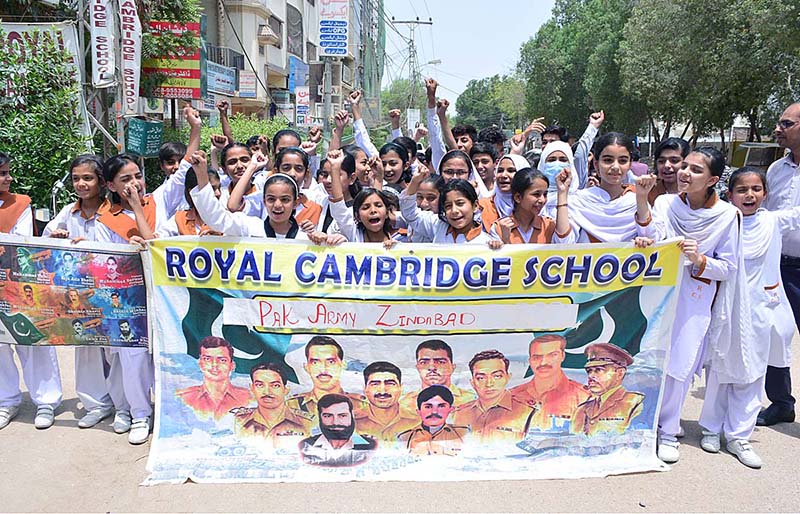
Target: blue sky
473, 39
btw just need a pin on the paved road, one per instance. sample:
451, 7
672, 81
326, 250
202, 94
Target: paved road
66, 469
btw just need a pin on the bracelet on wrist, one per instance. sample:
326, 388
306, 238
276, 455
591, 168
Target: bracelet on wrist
561, 205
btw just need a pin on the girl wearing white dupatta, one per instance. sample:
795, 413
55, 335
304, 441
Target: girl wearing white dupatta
501, 203
605, 214
737, 404
712, 320
555, 157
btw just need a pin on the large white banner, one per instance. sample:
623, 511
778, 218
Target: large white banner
293, 362
131, 41
101, 19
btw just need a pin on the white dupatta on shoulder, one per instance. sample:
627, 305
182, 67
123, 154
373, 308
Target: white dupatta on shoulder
731, 340
607, 220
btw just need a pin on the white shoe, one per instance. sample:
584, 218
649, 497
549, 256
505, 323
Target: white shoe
745, 453
7, 414
681, 432
94, 417
140, 431
122, 421
710, 442
44, 417
668, 451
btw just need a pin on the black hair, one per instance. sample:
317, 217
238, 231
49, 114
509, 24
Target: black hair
358, 201
435, 345
291, 150
382, 367
93, 162
524, 178
285, 132
332, 399
324, 341
285, 179
429, 156
231, 146
217, 342
349, 162
460, 185
397, 148
409, 144
558, 130
672, 143
191, 183
715, 161
353, 188
113, 166
171, 150
612, 138
432, 391
747, 170
455, 154
4, 158
486, 355
460, 130
268, 366
483, 147
493, 135
252, 141
436, 180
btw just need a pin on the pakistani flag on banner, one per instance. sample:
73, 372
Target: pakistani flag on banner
18, 329
614, 318
249, 347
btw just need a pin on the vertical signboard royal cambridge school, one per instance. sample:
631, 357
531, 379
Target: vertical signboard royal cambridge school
333, 28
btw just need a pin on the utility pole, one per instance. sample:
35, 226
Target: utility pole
327, 86
412, 52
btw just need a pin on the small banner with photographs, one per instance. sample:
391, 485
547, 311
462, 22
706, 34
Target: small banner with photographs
54, 292
291, 362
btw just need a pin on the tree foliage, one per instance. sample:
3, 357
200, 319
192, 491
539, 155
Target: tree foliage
700, 62
401, 95
39, 123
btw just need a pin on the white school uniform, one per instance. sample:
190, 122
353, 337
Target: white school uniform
716, 228
39, 363
343, 218
131, 375
598, 218
93, 382
169, 196
229, 223
433, 229
733, 408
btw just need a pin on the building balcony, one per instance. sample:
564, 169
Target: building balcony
225, 56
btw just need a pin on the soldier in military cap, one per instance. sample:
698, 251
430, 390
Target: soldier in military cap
381, 415
272, 419
496, 416
324, 363
433, 435
610, 408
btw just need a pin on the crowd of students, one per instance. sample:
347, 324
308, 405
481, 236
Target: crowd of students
733, 318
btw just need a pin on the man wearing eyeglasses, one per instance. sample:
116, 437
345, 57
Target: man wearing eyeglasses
783, 185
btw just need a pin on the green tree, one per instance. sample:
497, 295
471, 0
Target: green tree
477, 104
401, 95
40, 125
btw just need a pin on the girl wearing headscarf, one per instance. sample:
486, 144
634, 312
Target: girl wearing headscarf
501, 203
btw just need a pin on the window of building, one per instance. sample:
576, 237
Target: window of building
294, 31
277, 27
261, 50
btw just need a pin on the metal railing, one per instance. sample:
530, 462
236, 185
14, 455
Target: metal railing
225, 56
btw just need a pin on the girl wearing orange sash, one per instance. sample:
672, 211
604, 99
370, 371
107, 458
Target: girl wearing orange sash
39, 365
526, 223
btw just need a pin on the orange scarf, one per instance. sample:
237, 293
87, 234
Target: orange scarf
12, 208
123, 225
